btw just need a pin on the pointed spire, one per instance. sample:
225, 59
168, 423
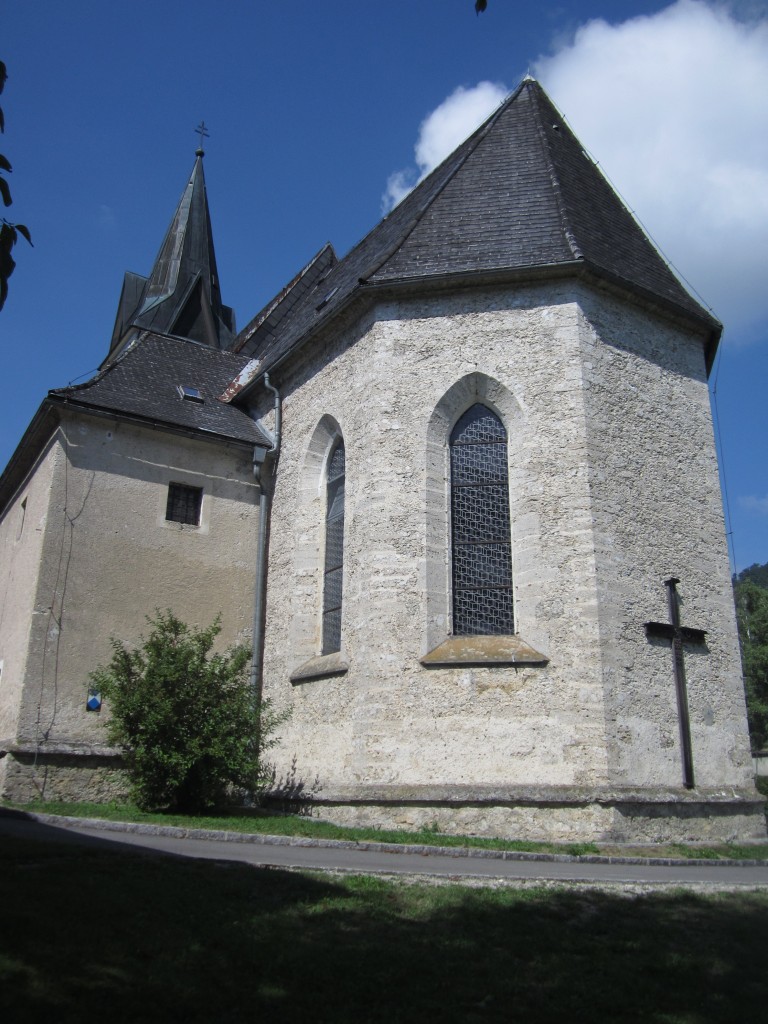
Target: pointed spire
181, 296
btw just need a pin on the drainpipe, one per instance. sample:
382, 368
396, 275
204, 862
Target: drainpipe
260, 457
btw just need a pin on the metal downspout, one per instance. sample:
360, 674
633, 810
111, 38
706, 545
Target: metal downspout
260, 458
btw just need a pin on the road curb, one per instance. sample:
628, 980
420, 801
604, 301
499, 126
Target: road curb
418, 849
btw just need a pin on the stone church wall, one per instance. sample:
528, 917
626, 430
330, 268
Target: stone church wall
109, 558
524, 749
658, 514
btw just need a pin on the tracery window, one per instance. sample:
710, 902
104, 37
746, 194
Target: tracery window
480, 526
334, 550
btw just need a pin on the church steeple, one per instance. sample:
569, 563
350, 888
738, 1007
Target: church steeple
181, 296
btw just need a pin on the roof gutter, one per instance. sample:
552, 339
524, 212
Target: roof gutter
104, 412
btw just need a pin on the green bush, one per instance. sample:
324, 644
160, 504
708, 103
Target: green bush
752, 613
189, 722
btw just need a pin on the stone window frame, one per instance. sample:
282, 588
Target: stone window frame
306, 634
441, 647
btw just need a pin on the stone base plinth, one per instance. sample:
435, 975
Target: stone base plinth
62, 772
561, 814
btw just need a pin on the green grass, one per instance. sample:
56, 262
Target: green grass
91, 934
294, 825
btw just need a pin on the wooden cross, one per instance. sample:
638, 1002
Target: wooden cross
679, 635
203, 132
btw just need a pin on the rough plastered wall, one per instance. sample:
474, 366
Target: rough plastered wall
553, 749
394, 396
658, 514
109, 559
22, 529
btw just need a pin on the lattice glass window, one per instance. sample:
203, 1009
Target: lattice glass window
184, 504
334, 551
480, 528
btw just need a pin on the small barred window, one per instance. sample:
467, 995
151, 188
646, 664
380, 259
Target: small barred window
184, 504
480, 526
334, 551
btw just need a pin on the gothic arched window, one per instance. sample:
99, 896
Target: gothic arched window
334, 550
480, 527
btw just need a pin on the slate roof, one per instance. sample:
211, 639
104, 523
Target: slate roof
143, 384
519, 198
259, 334
181, 295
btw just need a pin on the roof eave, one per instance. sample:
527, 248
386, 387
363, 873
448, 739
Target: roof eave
155, 423
707, 325
369, 291
27, 452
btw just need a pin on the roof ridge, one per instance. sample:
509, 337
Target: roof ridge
257, 321
477, 135
567, 227
107, 368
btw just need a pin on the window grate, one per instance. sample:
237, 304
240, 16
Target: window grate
334, 552
184, 504
480, 526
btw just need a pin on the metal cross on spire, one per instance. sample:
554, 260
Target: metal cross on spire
679, 635
202, 131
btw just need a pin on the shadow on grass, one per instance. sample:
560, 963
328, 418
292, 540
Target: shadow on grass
95, 932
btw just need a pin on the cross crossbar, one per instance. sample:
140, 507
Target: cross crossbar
203, 132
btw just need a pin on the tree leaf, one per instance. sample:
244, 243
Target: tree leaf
24, 230
5, 164
5, 192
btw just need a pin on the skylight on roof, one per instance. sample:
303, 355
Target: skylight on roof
191, 394
327, 299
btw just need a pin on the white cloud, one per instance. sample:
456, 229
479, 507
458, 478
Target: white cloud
752, 504
673, 106
441, 132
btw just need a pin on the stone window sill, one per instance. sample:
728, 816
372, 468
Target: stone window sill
483, 650
321, 667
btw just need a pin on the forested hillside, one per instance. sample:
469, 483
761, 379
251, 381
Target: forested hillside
750, 589
756, 573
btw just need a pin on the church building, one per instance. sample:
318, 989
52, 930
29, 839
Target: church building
458, 489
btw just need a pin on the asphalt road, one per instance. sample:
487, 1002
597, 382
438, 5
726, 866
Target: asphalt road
326, 855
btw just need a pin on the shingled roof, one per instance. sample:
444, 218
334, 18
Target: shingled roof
518, 199
144, 385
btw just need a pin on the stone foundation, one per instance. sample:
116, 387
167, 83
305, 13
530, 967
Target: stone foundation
95, 775
559, 814
566, 814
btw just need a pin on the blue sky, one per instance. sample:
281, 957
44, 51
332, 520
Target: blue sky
321, 113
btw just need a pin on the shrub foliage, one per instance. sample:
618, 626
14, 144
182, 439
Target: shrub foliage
188, 720
752, 613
